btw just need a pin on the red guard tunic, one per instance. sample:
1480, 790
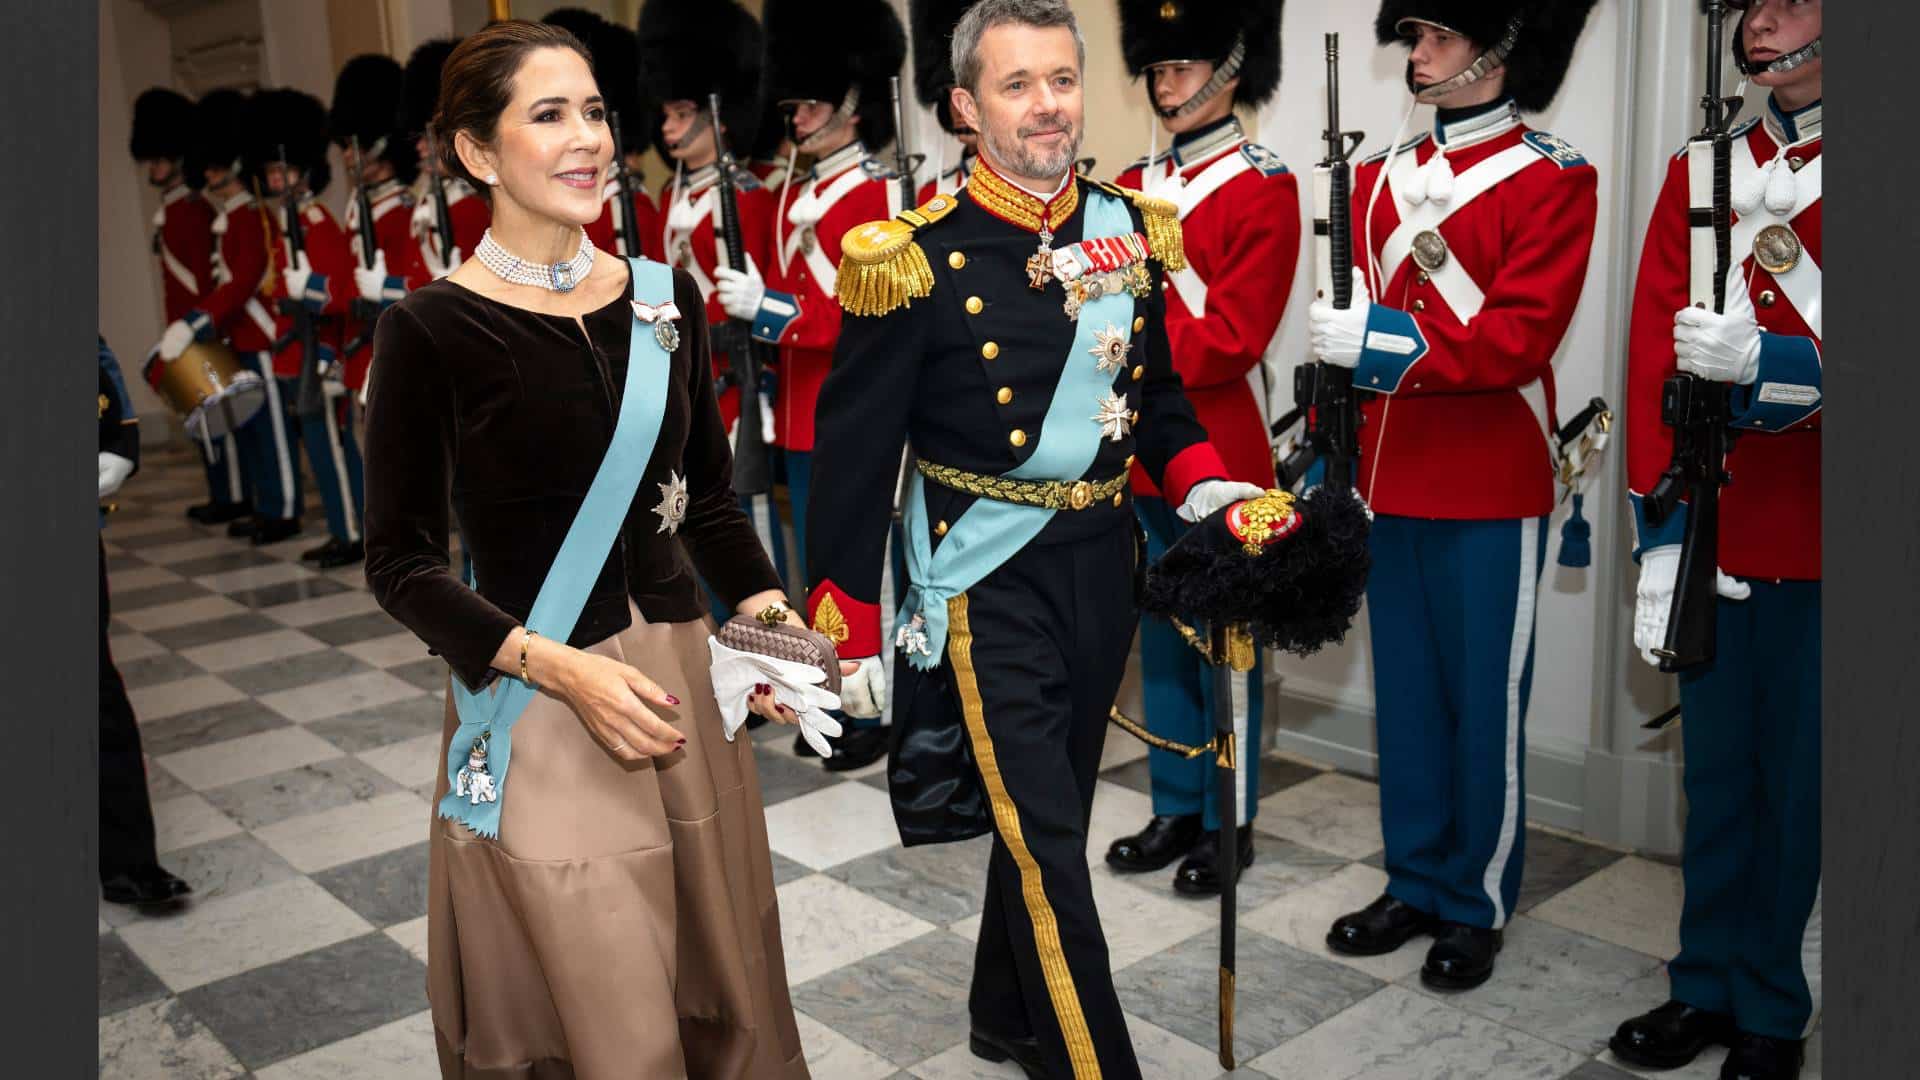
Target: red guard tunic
1460, 357
393, 234
1770, 513
183, 242
687, 237
467, 212
845, 189
330, 255
1240, 213
238, 306
949, 180
605, 230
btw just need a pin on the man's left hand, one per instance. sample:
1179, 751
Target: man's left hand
1209, 497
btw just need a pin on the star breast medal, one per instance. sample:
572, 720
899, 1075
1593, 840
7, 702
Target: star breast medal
673, 503
1109, 349
1114, 418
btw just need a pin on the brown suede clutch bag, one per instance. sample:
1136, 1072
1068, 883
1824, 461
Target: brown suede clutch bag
784, 641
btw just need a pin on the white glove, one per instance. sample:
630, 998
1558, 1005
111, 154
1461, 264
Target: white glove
1208, 497
1653, 598
796, 686
297, 276
1721, 347
372, 280
740, 292
454, 259
863, 694
114, 471
1337, 334
178, 336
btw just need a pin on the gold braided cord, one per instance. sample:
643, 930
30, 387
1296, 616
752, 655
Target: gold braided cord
1045, 494
876, 288
1023, 208
1132, 727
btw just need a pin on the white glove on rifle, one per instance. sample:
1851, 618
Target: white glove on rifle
1208, 497
372, 280
1338, 334
1653, 598
1723, 347
740, 291
179, 334
114, 471
797, 686
298, 276
863, 694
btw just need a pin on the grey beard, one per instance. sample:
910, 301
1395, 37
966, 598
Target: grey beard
1040, 166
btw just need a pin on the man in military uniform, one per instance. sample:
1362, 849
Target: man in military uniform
1013, 336
1240, 215
1751, 716
933, 22
1475, 240
615, 55
183, 244
364, 122
467, 213
130, 870
832, 76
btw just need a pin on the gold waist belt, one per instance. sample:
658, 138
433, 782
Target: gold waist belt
1046, 494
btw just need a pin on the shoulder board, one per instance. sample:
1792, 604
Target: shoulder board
1161, 220
1554, 149
1380, 156
1262, 159
882, 267
1738, 130
877, 169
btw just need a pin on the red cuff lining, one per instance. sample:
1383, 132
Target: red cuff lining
1190, 466
853, 624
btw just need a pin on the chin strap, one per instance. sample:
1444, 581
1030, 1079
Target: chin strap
1223, 73
1779, 65
1485, 64
849, 105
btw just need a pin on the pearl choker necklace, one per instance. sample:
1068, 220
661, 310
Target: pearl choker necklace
560, 277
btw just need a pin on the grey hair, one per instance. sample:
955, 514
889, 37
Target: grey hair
987, 14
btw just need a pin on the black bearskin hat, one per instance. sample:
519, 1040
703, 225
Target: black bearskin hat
1297, 589
1541, 54
420, 84
816, 58
933, 22
162, 125
221, 124
289, 119
366, 107
616, 68
769, 132
692, 48
1155, 31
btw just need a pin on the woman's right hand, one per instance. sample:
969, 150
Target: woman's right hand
609, 697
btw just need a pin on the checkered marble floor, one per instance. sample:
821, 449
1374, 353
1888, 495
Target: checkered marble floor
291, 730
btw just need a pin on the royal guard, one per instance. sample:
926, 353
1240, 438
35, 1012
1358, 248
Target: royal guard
831, 78
1240, 214
316, 265
364, 122
932, 23
183, 244
238, 309
1474, 238
1750, 716
442, 204
615, 68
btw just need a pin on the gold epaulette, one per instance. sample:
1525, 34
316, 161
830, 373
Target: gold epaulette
1162, 220
881, 267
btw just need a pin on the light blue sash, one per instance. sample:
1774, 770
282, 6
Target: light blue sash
989, 532
491, 714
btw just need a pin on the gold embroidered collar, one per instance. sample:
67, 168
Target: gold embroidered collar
1015, 205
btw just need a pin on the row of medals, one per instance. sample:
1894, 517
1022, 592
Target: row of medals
1131, 279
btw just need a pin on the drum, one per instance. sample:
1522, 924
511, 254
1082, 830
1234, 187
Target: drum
211, 390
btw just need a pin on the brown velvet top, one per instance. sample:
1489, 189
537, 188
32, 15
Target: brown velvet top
506, 413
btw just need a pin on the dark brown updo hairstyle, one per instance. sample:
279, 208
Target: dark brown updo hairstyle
476, 85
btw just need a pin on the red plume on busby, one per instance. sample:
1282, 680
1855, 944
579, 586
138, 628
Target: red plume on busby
932, 22
1291, 572
221, 123
366, 108
616, 68
295, 121
814, 57
1157, 31
420, 84
690, 49
162, 125
1542, 50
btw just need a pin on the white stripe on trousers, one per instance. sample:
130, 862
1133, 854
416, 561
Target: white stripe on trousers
348, 512
282, 450
1510, 758
236, 489
1810, 967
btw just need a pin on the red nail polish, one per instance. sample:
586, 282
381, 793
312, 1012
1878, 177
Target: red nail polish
671, 700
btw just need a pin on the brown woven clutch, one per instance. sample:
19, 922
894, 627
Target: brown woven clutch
784, 641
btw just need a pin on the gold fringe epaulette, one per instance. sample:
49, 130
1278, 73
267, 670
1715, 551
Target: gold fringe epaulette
881, 266
1161, 218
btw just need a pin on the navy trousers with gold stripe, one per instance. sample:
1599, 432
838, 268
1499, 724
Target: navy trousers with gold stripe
1036, 652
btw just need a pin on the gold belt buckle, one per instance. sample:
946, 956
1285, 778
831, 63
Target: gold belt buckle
1080, 496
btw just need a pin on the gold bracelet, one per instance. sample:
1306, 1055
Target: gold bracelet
525, 640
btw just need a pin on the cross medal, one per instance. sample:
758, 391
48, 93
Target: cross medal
1040, 263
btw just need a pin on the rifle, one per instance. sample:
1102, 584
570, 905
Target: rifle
365, 311
1323, 393
311, 400
1699, 410
746, 355
629, 228
442, 214
904, 164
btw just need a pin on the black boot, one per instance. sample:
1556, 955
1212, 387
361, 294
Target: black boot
332, 545
1461, 957
1670, 1036
274, 530
342, 555
1024, 1052
1379, 928
1199, 875
243, 528
212, 513
1758, 1057
1166, 838
151, 887
859, 748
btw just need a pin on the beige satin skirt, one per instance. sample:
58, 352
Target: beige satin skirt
624, 925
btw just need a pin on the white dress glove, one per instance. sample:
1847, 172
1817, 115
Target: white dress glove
1338, 334
175, 340
1208, 497
796, 686
372, 280
1721, 347
1653, 598
863, 694
740, 291
114, 471
297, 276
